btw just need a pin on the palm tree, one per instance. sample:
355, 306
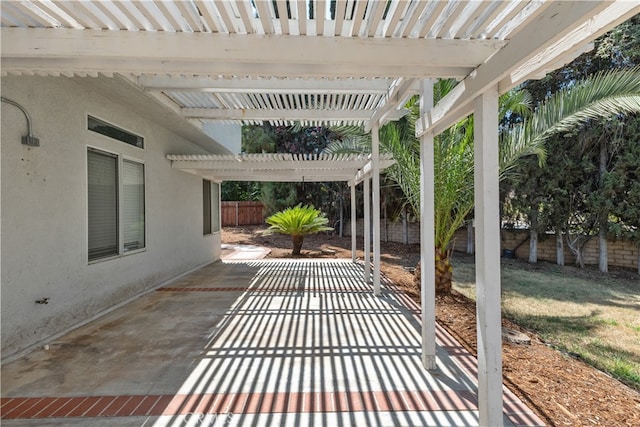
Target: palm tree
297, 222
603, 95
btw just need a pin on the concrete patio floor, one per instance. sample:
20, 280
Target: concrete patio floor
251, 343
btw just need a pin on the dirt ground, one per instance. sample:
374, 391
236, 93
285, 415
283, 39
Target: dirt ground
562, 390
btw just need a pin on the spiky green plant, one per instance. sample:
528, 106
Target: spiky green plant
298, 222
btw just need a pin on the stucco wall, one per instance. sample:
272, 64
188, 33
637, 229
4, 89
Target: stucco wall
44, 210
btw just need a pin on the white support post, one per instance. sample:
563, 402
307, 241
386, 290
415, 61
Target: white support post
353, 222
367, 231
427, 236
487, 217
375, 163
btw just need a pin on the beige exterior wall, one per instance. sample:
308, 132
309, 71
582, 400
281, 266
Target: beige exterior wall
44, 209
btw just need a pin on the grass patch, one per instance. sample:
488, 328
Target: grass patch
593, 316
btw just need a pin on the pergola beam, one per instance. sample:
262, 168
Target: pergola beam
95, 66
367, 170
238, 54
271, 176
264, 85
392, 106
276, 114
558, 29
356, 166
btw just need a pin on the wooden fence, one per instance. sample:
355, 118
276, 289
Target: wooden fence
241, 213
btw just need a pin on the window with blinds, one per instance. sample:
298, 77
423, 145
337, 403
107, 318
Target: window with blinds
206, 207
103, 204
116, 204
132, 205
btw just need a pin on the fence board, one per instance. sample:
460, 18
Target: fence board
241, 213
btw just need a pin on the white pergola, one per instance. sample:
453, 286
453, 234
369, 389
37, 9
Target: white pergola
324, 62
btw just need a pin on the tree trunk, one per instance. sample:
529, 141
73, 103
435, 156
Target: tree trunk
533, 240
603, 256
297, 240
603, 259
341, 215
405, 227
470, 239
576, 244
385, 219
638, 258
580, 258
559, 247
444, 273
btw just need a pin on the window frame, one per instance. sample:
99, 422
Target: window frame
90, 117
120, 158
215, 213
216, 206
207, 208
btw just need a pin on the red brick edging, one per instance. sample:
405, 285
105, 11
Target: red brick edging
246, 403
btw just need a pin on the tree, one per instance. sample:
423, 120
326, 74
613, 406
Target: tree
622, 185
598, 98
297, 222
601, 96
617, 49
294, 139
240, 191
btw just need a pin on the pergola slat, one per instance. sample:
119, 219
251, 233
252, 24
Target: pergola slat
207, 15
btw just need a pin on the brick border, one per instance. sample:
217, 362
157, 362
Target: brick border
245, 403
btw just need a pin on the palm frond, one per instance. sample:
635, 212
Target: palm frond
354, 144
515, 102
604, 95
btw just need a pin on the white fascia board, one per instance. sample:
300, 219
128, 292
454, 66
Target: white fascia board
558, 29
275, 86
237, 54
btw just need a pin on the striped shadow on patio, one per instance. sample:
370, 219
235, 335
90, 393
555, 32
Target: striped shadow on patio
304, 343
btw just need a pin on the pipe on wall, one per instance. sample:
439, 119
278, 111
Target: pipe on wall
29, 139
